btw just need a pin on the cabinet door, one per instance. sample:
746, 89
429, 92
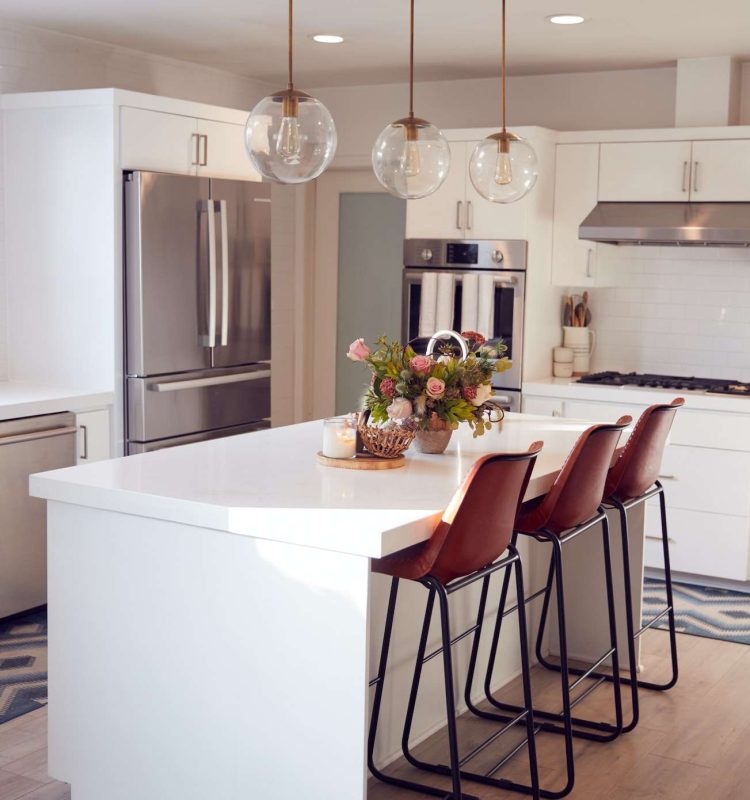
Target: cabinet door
647, 171
154, 140
545, 406
487, 220
93, 442
576, 178
442, 215
222, 151
721, 171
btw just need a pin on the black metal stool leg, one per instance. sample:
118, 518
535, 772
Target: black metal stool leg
545, 613
612, 625
496, 628
414, 691
378, 682
629, 623
475, 646
670, 599
526, 677
450, 702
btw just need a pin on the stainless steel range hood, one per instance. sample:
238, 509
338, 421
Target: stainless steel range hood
706, 224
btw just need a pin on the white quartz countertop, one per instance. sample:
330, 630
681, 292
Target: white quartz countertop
269, 485
569, 388
18, 399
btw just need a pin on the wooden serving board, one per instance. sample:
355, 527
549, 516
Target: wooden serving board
362, 461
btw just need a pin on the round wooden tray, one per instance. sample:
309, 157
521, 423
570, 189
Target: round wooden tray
362, 461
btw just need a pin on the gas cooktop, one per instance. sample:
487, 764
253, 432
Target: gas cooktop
708, 385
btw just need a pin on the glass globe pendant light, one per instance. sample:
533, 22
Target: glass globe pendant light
503, 167
290, 136
411, 157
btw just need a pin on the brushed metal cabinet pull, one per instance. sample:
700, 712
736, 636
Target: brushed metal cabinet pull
696, 164
34, 435
204, 160
659, 539
668, 477
469, 216
85, 431
589, 256
684, 176
459, 209
196, 150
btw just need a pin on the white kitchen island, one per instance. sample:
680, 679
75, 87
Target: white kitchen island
210, 609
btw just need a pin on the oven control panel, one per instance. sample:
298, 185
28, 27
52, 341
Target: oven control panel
491, 254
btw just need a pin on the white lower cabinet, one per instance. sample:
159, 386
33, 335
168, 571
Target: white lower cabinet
706, 476
94, 436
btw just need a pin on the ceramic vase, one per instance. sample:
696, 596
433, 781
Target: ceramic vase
432, 442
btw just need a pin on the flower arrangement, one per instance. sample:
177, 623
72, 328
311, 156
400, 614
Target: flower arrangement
427, 393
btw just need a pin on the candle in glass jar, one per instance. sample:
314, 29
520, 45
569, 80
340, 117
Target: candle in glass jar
339, 437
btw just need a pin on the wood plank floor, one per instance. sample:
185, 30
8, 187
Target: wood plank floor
693, 743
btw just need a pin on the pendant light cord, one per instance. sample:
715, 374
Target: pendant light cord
290, 46
411, 63
503, 67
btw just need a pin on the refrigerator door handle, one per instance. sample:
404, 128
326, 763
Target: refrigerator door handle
224, 274
212, 380
210, 339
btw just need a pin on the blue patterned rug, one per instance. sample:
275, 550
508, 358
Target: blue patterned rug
23, 665
701, 610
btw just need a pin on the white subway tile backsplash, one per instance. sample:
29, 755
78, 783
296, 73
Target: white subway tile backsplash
675, 311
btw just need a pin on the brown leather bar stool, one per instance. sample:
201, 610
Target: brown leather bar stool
571, 507
634, 479
470, 543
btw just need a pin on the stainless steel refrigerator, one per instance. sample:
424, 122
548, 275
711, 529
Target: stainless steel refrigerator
198, 308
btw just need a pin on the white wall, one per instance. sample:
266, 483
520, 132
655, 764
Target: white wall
675, 311
35, 60
577, 101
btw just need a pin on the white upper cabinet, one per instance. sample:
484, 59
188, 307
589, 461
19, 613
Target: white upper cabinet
166, 142
721, 171
443, 214
158, 141
702, 170
222, 151
574, 262
457, 211
645, 171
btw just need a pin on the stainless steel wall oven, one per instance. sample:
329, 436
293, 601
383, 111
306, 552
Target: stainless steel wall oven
463, 285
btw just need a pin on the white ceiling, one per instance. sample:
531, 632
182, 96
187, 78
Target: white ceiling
454, 39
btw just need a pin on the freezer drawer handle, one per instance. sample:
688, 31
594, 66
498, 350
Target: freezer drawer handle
217, 380
45, 434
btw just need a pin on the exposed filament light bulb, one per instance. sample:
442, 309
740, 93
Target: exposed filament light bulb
503, 169
289, 141
410, 161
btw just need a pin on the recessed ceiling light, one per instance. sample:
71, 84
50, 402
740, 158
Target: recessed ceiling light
566, 19
327, 38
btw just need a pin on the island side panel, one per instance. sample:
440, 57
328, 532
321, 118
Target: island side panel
192, 663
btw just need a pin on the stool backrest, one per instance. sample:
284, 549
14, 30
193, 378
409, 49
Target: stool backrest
578, 489
637, 467
477, 526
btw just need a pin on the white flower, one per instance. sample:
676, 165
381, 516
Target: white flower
484, 392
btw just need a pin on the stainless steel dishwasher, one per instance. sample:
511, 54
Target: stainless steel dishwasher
28, 445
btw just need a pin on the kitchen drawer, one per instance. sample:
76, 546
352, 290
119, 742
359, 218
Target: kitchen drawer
600, 412
702, 479
546, 406
700, 543
712, 429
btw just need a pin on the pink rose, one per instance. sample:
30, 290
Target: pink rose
421, 364
435, 388
358, 350
469, 392
399, 409
388, 387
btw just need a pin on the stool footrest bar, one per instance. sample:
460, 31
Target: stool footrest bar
453, 641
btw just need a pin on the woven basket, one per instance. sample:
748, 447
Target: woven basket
385, 442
